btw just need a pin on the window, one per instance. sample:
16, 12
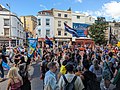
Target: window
6, 31
6, 22
39, 21
59, 14
18, 32
59, 32
39, 32
65, 33
17, 24
78, 17
47, 22
65, 15
47, 32
59, 23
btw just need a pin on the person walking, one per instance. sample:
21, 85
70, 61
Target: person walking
14, 79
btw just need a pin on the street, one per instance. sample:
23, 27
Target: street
36, 83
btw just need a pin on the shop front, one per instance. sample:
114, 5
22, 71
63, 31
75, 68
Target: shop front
61, 40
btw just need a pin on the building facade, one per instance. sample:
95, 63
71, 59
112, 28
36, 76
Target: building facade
61, 17
82, 18
56, 29
11, 28
81, 23
115, 30
29, 24
45, 26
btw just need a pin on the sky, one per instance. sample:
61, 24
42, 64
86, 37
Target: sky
96, 8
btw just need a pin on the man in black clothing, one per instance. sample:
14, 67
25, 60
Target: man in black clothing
89, 79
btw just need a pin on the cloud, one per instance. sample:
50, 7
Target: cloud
112, 9
79, 1
109, 10
44, 7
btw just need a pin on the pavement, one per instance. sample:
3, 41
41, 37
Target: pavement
34, 71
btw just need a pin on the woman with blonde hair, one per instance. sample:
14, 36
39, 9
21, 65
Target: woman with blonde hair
14, 79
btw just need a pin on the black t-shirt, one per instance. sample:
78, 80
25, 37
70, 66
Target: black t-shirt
22, 59
88, 75
85, 57
16, 60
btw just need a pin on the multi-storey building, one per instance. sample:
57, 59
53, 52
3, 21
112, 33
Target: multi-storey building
29, 24
61, 17
56, 19
45, 26
115, 30
81, 23
82, 18
11, 28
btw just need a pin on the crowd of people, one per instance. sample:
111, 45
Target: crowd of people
96, 69
16, 63
65, 68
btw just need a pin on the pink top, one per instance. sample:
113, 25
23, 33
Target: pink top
16, 86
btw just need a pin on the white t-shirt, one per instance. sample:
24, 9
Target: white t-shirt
78, 82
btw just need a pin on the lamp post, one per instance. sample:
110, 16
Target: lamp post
8, 5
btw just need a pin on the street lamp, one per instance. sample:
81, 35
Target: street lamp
8, 5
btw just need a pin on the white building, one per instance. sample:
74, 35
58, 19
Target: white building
45, 26
55, 28
11, 29
61, 17
81, 22
82, 18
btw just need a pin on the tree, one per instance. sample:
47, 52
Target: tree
97, 31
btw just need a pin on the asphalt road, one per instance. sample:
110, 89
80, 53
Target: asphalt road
36, 83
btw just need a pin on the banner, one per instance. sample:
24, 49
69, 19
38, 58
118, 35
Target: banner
81, 29
32, 46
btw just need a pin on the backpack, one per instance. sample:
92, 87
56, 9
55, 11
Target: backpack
69, 85
93, 85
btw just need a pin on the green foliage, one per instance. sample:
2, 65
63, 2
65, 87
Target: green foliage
97, 32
